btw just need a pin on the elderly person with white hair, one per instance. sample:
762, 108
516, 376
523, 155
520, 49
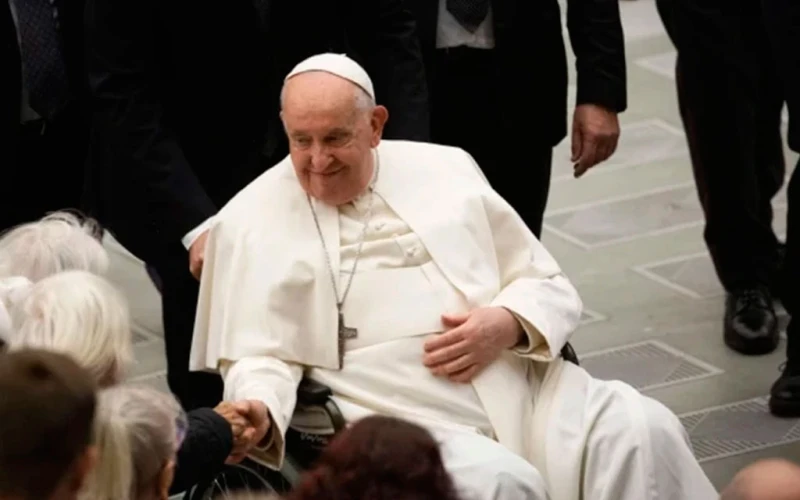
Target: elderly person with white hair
394, 274
60, 241
82, 314
137, 431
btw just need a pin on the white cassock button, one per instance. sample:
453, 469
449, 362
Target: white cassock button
379, 226
412, 251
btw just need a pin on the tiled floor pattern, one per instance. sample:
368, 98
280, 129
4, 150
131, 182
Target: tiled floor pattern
629, 235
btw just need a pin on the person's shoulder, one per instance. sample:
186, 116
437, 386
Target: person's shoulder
260, 193
254, 207
430, 159
414, 150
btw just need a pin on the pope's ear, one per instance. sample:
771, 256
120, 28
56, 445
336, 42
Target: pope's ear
380, 115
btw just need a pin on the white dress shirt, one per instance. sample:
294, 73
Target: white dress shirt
450, 33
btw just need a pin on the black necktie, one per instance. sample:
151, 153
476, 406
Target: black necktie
42, 56
469, 13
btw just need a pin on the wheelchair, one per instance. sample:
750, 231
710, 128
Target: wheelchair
315, 421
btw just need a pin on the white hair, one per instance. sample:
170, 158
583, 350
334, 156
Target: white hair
136, 431
81, 314
58, 242
362, 100
12, 291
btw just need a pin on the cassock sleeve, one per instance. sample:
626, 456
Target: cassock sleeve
274, 382
532, 287
232, 335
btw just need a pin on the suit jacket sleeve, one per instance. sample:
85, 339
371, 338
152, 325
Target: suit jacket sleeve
128, 114
392, 56
532, 285
595, 31
208, 443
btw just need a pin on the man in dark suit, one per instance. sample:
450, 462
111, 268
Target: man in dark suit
44, 108
186, 99
730, 99
497, 75
782, 20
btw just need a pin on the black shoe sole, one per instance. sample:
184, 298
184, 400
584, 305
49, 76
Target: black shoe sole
784, 408
753, 347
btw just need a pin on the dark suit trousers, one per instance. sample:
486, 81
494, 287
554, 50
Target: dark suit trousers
465, 112
44, 171
730, 101
179, 291
782, 21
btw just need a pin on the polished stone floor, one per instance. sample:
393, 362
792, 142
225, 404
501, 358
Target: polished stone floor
629, 236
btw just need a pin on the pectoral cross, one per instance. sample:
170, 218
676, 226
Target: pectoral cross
345, 333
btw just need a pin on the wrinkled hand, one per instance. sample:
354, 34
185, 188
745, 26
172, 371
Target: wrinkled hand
472, 342
595, 132
257, 416
196, 254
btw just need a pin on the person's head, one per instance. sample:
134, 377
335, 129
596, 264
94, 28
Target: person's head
81, 314
379, 458
12, 291
332, 123
765, 480
47, 406
58, 242
137, 430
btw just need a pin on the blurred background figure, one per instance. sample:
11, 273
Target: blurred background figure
82, 315
138, 430
45, 110
379, 458
497, 76
47, 406
765, 480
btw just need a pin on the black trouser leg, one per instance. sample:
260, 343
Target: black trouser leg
782, 22
43, 170
179, 292
730, 103
465, 112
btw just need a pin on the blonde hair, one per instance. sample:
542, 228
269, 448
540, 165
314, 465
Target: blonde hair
81, 314
58, 242
136, 432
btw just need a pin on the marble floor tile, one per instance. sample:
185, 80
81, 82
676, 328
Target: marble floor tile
638, 215
647, 365
640, 143
660, 64
737, 428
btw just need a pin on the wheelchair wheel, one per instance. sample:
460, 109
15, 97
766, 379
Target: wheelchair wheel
244, 477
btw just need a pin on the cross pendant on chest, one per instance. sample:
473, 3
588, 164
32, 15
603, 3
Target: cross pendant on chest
345, 332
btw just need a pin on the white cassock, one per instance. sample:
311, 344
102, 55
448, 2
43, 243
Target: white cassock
440, 241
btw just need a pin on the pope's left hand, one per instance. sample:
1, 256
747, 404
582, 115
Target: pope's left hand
471, 342
595, 132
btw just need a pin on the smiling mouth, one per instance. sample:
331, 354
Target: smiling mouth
329, 173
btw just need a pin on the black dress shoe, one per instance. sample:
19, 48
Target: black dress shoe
751, 326
784, 400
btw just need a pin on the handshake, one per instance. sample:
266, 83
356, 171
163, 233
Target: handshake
250, 423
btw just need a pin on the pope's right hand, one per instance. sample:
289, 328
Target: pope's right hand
257, 414
197, 253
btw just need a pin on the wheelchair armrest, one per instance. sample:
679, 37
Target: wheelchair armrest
311, 393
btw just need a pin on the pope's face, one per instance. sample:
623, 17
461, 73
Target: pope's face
330, 136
